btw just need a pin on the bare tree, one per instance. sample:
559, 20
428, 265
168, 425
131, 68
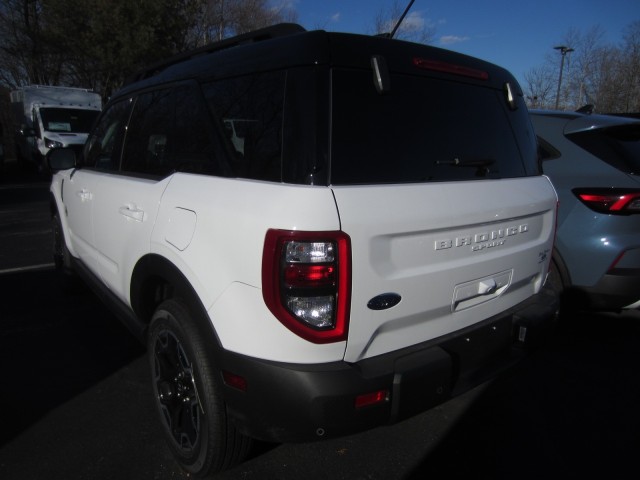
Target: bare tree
539, 89
218, 19
630, 73
584, 66
99, 43
413, 28
606, 76
250, 15
25, 55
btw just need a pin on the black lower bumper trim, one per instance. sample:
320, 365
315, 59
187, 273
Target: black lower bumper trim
612, 292
292, 402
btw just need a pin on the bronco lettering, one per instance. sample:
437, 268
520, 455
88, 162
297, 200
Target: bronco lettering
482, 240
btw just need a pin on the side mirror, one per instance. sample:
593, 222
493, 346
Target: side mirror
28, 132
61, 159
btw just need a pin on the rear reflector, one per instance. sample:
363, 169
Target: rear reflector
235, 381
373, 398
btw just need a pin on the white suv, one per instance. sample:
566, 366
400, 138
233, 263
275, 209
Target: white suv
378, 244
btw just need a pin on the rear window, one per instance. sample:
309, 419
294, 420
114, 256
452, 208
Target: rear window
618, 146
424, 130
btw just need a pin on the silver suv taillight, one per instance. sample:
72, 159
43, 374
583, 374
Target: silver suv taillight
306, 282
612, 201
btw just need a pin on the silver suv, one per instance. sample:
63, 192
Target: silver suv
373, 240
594, 163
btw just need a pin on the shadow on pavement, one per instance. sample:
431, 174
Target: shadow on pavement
570, 411
56, 340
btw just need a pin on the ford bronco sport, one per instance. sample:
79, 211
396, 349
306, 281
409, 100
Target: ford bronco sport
373, 240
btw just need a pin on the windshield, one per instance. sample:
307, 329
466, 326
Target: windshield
424, 130
63, 120
618, 146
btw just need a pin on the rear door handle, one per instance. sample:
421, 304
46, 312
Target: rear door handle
131, 211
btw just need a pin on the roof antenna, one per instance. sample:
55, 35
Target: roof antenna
404, 14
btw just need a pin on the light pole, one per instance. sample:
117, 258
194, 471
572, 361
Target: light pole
563, 51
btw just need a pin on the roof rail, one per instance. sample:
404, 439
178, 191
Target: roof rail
267, 33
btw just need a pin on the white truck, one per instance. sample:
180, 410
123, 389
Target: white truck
49, 117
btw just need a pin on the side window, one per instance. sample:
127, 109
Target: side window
546, 151
619, 146
102, 150
146, 149
169, 132
249, 112
196, 150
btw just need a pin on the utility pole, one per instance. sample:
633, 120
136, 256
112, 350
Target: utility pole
563, 51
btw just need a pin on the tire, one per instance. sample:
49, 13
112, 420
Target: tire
186, 390
569, 302
554, 280
61, 255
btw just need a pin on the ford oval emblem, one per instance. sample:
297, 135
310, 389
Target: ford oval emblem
384, 301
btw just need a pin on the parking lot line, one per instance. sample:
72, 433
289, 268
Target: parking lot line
42, 266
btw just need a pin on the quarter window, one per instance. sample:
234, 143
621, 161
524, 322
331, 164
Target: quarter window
249, 113
546, 151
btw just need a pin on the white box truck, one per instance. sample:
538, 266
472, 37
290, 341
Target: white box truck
49, 117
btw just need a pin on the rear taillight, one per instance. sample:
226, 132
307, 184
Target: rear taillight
615, 201
306, 282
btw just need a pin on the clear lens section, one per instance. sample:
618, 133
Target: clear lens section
635, 205
317, 312
309, 252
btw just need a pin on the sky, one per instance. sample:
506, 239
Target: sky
515, 34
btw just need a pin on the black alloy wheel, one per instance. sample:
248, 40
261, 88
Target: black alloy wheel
176, 391
186, 387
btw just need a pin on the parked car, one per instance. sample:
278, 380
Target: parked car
594, 163
373, 240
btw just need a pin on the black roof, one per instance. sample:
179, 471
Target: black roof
290, 45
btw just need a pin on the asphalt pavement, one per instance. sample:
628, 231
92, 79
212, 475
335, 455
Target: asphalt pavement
75, 401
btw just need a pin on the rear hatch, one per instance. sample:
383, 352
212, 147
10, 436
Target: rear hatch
454, 256
436, 182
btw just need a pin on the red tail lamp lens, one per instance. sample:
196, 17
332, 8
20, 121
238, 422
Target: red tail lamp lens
306, 282
613, 201
297, 275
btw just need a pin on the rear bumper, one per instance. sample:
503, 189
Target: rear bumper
618, 289
291, 402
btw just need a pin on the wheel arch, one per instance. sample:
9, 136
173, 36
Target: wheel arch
561, 266
156, 279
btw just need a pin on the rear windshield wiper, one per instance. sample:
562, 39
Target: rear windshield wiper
456, 162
